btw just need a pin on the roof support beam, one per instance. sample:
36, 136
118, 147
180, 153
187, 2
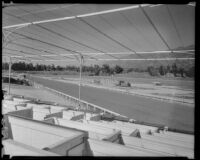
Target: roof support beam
131, 59
73, 17
155, 28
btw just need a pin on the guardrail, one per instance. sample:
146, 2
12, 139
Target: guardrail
75, 100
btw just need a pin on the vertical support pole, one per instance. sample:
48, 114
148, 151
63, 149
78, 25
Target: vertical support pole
9, 76
80, 79
79, 91
4, 44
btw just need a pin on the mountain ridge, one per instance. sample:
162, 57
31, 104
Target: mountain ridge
144, 64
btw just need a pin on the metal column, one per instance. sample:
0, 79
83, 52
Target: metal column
5, 42
9, 76
80, 79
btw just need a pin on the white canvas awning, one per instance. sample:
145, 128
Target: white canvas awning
63, 32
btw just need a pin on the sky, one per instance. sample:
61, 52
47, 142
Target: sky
131, 28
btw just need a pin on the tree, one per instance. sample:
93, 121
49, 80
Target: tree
30, 67
106, 68
53, 67
5, 66
59, 68
190, 72
168, 69
112, 71
48, 68
118, 69
91, 69
97, 70
161, 70
130, 70
181, 71
174, 69
152, 71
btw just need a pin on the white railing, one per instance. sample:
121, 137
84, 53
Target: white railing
76, 100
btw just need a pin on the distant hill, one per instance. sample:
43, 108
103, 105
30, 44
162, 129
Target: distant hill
185, 48
144, 64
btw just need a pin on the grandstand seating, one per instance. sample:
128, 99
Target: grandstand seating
40, 122
43, 135
168, 141
20, 100
139, 126
142, 129
125, 130
103, 148
154, 145
186, 138
95, 132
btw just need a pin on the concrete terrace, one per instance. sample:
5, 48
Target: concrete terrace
48, 130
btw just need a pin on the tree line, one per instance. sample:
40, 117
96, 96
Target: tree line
173, 69
96, 69
105, 69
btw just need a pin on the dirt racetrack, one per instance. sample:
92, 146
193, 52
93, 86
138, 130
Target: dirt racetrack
174, 115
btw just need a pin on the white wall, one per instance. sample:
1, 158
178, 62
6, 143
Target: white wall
55, 109
19, 107
139, 126
40, 113
84, 126
12, 102
94, 117
55, 114
14, 148
27, 113
168, 141
177, 136
20, 100
37, 105
77, 151
112, 149
95, 135
6, 107
74, 146
131, 127
38, 134
69, 114
161, 147
124, 130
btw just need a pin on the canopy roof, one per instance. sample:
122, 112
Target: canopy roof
64, 32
